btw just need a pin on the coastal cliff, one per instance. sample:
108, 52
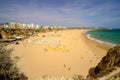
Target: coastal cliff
108, 62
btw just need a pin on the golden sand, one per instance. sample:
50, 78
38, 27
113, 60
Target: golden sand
62, 53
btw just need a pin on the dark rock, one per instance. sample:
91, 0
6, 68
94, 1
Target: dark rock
17, 42
109, 61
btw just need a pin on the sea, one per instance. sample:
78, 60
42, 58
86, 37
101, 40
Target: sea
110, 37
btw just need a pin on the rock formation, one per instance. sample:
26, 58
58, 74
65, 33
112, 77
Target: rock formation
111, 60
3, 35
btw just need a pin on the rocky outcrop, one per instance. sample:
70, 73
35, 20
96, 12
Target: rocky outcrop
108, 62
3, 35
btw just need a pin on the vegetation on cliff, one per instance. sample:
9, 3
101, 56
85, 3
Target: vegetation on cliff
24, 33
8, 68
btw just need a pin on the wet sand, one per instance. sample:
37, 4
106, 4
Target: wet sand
62, 53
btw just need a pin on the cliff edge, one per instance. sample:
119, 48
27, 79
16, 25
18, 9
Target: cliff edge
108, 62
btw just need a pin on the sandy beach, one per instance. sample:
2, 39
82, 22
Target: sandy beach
62, 53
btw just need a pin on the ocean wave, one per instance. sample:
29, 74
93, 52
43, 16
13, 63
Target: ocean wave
99, 41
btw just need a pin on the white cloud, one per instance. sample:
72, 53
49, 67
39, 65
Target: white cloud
73, 13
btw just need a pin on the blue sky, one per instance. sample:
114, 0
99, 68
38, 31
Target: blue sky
96, 13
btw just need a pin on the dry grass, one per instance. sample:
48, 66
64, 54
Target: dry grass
8, 69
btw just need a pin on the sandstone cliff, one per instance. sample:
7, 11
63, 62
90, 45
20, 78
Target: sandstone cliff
108, 62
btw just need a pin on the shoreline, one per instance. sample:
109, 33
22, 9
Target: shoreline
99, 41
62, 53
94, 42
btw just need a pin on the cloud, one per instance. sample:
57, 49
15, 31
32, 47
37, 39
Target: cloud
70, 13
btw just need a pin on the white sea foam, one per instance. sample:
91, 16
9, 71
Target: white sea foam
99, 41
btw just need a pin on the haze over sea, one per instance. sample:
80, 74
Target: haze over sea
111, 37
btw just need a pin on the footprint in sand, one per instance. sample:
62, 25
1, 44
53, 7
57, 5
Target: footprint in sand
45, 49
97, 58
66, 67
90, 60
69, 68
81, 57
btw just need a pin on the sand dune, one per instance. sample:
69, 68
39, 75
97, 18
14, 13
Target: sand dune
62, 53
